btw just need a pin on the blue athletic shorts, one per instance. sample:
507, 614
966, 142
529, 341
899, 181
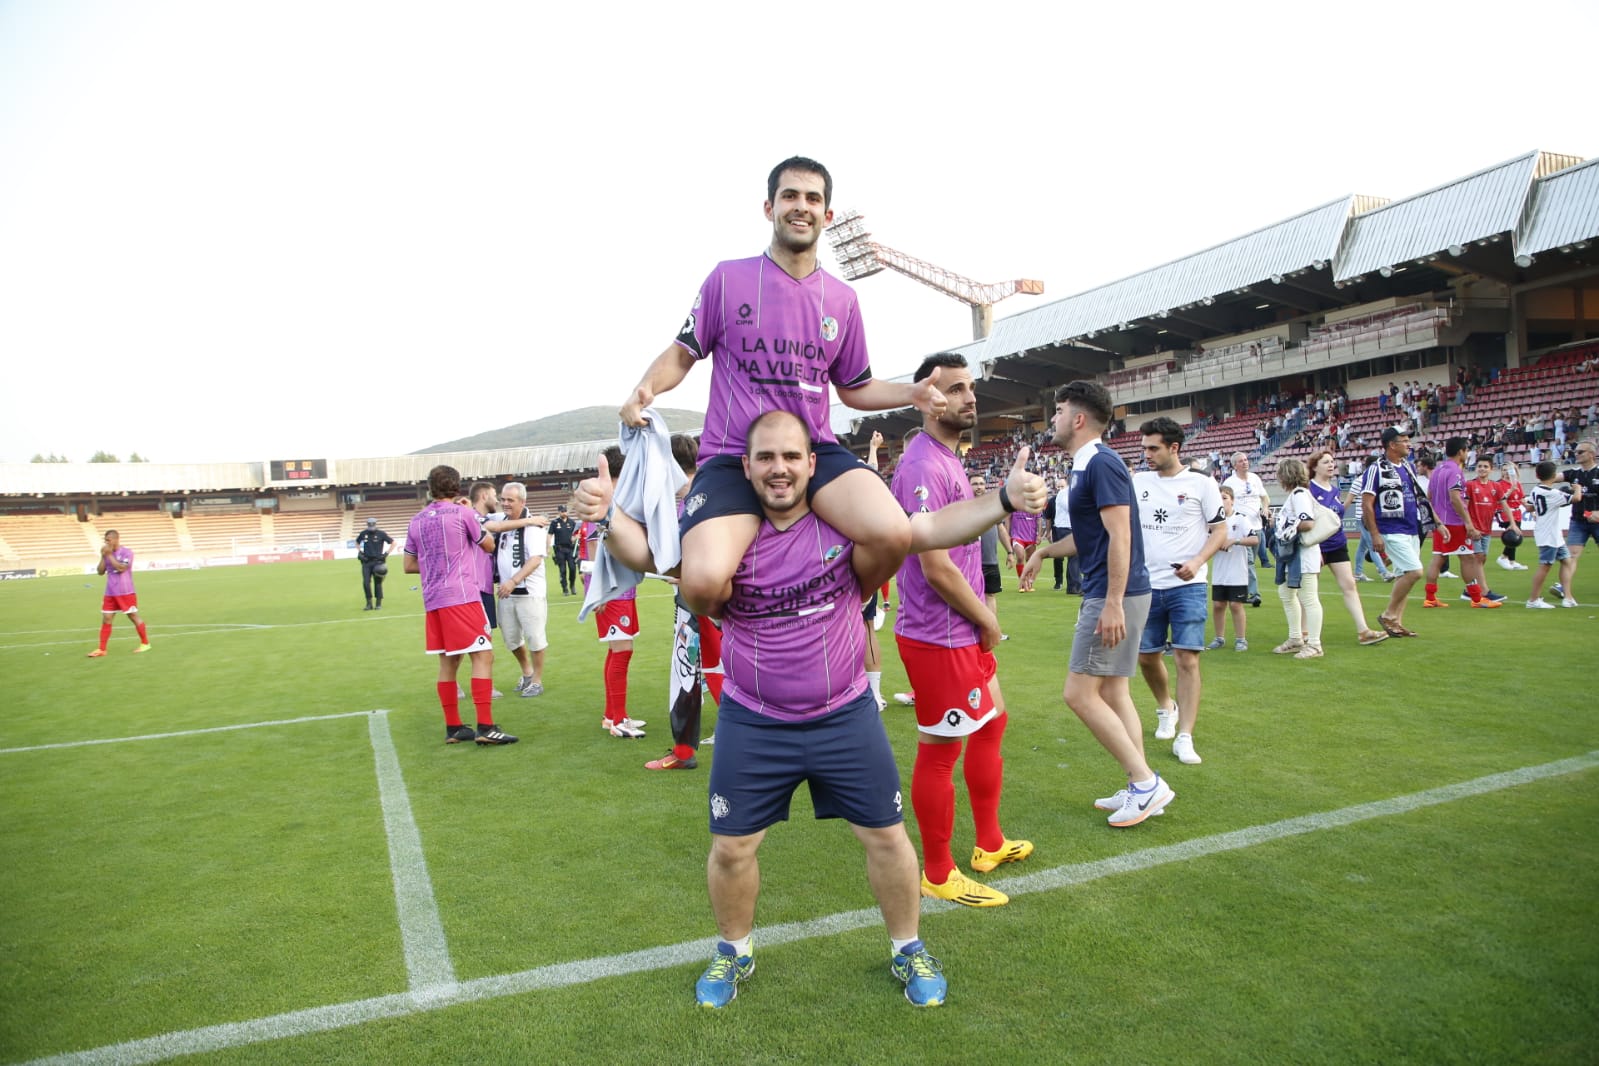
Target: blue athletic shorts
720, 487
844, 757
1177, 615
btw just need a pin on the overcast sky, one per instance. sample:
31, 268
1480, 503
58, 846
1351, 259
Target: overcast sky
234, 231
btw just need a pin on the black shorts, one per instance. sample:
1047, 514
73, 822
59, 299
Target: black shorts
1337, 555
720, 487
991, 584
490, 609
869, 608
1229, 594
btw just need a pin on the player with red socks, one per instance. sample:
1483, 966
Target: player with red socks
617, 623
946, 636
116, 563
1023, 538
439, 546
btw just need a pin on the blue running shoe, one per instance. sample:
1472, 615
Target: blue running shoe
923, 975
718, 985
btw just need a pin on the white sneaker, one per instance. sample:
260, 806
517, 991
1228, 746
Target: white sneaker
1569, 602
627, 728
1216, 645
1114, 803
1166, 723
1136, 805
1519, 565
877, 621
905, 699
882, 705
1183, 748
1540, 605
1505, 564
1362, 577
1450, 574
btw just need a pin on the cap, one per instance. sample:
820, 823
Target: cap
1392, 433
371, 521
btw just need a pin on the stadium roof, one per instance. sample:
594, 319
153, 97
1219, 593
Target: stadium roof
1564, 209
1483, 206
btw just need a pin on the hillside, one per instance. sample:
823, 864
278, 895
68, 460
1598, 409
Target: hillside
585, 423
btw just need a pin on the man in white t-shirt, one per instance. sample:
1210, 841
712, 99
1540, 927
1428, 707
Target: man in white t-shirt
1251, 501
519, 586
1182, 522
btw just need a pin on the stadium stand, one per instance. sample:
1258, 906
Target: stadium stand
47, 537
152, 531
224, 533
307, 530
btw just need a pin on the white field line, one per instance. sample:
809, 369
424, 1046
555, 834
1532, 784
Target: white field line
427, 953
185, 732
583, 971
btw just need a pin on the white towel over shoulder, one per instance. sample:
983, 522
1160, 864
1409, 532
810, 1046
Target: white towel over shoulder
645, 491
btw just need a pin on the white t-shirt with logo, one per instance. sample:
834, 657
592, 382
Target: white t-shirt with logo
514, 549
1249, 494
1300, 506
1230, 566
1175, 514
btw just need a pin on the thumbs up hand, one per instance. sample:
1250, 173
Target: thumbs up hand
591, 502
1026, 491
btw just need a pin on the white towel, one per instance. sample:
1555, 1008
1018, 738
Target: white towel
645, 491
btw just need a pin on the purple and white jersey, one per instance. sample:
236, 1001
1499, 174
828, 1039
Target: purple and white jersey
1024, 526
793, 644
120, 582
775, 343
444, 539
930, 476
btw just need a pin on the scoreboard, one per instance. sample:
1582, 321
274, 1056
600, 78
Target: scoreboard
299, 470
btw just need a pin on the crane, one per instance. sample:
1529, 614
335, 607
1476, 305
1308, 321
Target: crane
861, 257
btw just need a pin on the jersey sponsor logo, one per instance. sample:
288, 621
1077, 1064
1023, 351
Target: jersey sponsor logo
1160, 516
829, 328
719, 806
743, 319
694, 503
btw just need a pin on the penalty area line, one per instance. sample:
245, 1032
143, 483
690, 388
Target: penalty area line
583, 971
191, 732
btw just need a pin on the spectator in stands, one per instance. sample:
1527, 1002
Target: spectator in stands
562, 547
372, 546
1395, 511
116, 563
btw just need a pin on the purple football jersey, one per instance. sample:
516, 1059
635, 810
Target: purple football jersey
444, 539
793, 643
775, 343
930, 476
120, 582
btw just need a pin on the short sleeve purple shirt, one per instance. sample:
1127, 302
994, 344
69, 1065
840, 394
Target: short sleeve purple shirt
775, 343
120, 582
793, 643
930, 476
444, 539
1445, 476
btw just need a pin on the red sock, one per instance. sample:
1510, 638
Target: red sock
1019, 568
1474, 590
450, 702
1432, 590
483, 699
711, 658
884, 591
714, 683
105, 634
616, 663
933, 800
985, 779
144, 635
683, 752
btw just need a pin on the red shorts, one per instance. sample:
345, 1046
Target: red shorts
1028, 544
116, 604
951, 686
458, 630
617, 620
1450, 540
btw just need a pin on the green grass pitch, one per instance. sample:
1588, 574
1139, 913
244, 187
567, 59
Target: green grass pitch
163, 887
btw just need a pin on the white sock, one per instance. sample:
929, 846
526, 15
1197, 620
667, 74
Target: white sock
901, 945
1145, 786
874, 679
1190, 737
741, 946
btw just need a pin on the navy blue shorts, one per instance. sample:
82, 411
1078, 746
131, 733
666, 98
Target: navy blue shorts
720, 487
844, 757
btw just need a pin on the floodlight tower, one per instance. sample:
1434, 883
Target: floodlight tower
861, 257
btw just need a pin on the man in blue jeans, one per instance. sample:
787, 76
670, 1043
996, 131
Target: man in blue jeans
1183, 524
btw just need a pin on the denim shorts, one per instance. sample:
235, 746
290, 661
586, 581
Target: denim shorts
1549, 556
1580, 532
1176, 615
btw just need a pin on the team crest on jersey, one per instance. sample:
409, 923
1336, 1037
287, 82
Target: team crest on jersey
974, 697
625, 621
920, 492
832, 553
1182, 497
719, 806
694, 503
829, 328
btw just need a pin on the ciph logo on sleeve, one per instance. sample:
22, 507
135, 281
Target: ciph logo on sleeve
829, 328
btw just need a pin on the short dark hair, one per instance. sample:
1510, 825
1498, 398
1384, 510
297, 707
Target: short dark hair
1169, 430
479, 490
613, 459
775, 416
1426, 458
1456, 446
945, 359
111, 533
1545, 470
444, 483
1089, 397
804, 165
686, 452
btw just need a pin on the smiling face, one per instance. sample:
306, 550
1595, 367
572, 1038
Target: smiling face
799, 211
779, 464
